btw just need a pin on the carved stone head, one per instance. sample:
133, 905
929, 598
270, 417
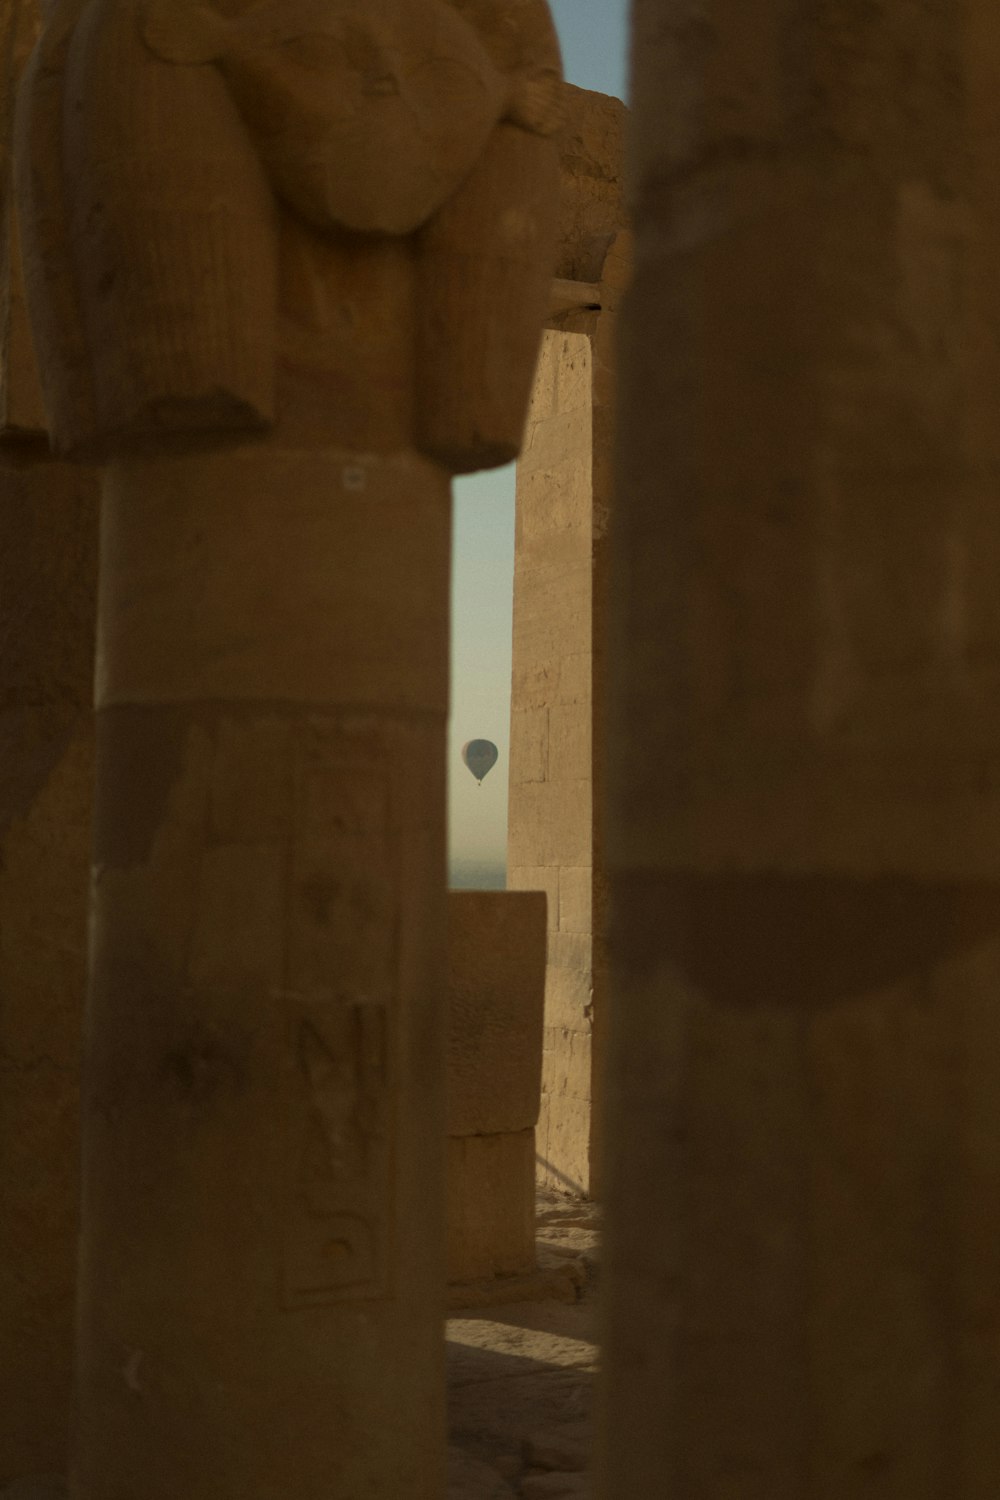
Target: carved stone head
366, 115
217, 143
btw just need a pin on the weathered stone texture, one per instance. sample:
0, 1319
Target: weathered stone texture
48, 579
563, 507
496, 998
270, 847
593, 187
496, 991
804, 1235
490, 1208
551, 791
281, 327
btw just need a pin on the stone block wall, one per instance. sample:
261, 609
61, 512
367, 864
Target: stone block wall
564, 506
496, 967
550, 842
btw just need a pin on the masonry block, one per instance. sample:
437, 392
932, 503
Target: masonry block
496, 983
490, 1205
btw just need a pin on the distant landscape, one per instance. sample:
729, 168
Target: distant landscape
475, 875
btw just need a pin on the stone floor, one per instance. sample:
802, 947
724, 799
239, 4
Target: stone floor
521, 1378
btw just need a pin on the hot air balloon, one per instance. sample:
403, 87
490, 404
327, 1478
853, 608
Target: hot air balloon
480, 756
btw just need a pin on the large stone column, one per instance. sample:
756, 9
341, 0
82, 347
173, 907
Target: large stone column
804, 1249
282, 324
48, 579
263, 1212
564, 483
48, 571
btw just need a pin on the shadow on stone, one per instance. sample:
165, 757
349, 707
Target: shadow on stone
807, 941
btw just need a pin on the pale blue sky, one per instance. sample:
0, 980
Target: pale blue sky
593, 35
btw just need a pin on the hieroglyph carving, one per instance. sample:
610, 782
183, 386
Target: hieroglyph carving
306, 225
337, 1217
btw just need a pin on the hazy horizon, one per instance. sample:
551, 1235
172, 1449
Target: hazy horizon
476, 875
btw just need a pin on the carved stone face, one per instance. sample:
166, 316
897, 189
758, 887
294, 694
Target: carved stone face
367, 113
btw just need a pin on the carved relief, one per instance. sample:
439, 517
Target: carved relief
479, 300
151, 255
312, 223
156, 231
339, 1230
352, 108
522, 41
342, 976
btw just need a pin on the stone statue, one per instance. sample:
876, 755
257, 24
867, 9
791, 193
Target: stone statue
287, 264
208, 187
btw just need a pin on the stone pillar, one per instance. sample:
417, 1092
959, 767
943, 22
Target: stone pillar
804, 1242
48, 580
262, 1246
48, 571
281, 327
564, 486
